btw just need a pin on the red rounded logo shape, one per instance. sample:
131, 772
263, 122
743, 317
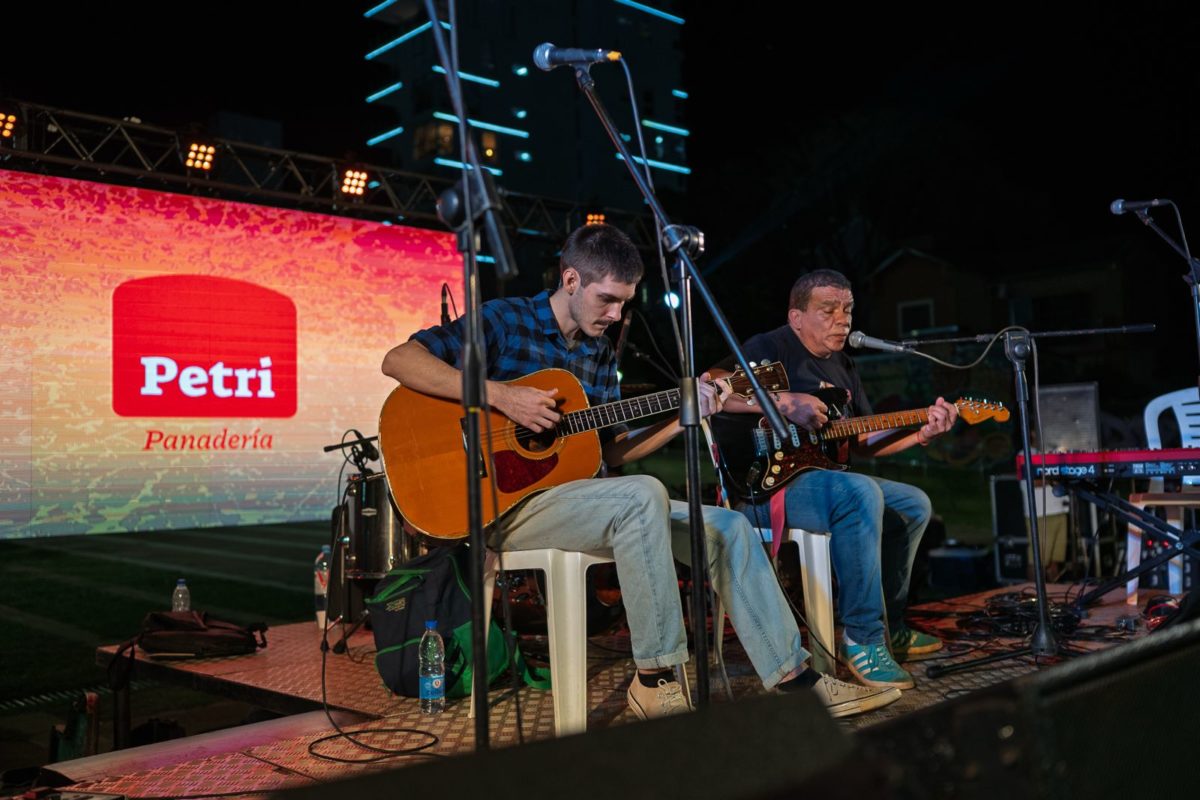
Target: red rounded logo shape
200, 346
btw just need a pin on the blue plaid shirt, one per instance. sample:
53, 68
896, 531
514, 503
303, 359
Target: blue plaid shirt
522, 336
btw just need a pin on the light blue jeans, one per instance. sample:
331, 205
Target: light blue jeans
632, 519
875, 526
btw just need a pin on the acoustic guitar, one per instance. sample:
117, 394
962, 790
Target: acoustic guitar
423, 443
756, 463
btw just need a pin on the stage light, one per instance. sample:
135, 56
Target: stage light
200, 156
354, 182
595, 219
671, 299
8, 124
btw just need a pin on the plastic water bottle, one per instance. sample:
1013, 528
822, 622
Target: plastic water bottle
321, 584
181, 598
431, 655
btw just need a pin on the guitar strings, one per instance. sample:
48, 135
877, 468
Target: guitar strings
523, 434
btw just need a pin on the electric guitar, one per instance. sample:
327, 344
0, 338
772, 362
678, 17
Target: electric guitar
423, 442
757, 464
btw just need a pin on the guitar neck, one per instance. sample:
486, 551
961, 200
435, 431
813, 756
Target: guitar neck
619, 411
846, 428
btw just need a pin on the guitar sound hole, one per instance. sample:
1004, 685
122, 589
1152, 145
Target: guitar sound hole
536, 442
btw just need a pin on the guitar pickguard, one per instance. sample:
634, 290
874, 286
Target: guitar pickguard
514, 472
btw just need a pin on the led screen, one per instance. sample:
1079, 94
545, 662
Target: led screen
171, 361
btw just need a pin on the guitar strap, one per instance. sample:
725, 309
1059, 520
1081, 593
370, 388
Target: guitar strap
778, 519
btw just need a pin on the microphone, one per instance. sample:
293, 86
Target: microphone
546, 56
369, 451
860, 340
445, 310
1120, 206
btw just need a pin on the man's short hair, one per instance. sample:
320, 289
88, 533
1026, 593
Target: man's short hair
600, 251
803, 288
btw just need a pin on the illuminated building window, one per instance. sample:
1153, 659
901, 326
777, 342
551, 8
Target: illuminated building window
489, 147
433, 139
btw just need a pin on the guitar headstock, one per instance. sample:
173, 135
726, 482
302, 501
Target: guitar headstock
973, 410
770, 374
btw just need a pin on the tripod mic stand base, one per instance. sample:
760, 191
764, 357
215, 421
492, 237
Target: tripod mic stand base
341, 647
1043, 644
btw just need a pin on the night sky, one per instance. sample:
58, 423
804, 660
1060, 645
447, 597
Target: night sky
993, 138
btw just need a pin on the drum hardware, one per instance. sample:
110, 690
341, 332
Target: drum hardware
369, 538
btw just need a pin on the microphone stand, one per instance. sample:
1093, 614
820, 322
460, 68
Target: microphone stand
685, 243
459, 207
1018, 347
1192, 278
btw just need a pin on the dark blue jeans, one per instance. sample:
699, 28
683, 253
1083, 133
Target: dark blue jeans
875, 527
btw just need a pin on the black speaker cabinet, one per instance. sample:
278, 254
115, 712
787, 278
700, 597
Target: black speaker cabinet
1119, 723
756, 747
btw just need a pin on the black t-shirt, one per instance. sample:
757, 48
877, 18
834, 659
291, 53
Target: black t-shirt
805, 371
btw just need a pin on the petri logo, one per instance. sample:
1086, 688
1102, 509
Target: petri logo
200, 346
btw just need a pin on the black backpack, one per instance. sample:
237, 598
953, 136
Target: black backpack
433, 587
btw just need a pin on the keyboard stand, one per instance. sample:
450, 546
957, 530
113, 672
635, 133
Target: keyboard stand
1138, 518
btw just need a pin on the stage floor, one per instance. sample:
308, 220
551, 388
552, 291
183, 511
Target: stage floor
287, 677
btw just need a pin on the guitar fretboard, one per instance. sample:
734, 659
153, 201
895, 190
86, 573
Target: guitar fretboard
614, 413
845, 428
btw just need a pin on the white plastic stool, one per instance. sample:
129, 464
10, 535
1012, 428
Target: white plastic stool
566, 616
816, 576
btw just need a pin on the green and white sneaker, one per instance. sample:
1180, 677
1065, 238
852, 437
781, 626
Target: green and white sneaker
910, 645
873, 665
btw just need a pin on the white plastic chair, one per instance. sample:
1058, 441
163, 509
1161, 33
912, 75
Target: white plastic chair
816, 577
566, 616
1185, 404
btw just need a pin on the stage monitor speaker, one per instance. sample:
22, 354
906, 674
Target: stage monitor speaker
748, 748
1119, 723
1070, 417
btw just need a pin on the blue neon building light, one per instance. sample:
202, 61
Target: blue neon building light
383, 137
395, 87
660, 165
662, 126
373, 11
466, 76
486, 126
448, 162
654, 12
404, 37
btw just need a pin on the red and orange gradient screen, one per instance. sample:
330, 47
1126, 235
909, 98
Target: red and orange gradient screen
169, 361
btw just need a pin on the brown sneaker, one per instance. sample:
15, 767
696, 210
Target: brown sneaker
664, 700
843, 699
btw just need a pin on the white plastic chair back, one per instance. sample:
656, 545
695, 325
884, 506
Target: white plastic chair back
1185, 404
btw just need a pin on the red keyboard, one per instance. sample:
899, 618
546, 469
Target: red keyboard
1170, 463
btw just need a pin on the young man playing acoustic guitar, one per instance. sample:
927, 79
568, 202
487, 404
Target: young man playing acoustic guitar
629, 517
875, 524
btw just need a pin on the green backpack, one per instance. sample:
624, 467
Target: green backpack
433, 587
